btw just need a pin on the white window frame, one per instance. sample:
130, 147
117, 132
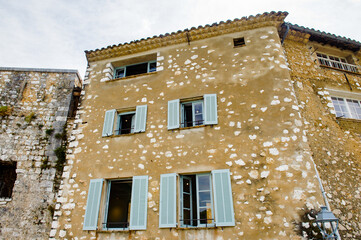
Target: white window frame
348, 108
337, 62
125, 68
183, 176
118, 125
182, 124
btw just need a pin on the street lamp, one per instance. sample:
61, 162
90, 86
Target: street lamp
325, 222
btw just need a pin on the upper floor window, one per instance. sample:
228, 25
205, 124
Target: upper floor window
190, 113
336, 62
126, 121
135, 69
347, 108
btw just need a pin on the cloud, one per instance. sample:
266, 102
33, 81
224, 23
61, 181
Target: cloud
54, 34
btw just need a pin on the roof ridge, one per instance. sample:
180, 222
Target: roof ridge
278, 13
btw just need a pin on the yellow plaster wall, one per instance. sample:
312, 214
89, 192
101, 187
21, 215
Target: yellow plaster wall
259, 137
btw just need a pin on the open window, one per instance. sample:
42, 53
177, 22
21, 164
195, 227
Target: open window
135, 69
205, 200
335, 62
196, 201
7, 178
117, 214
192, 112
126, 121
125, 204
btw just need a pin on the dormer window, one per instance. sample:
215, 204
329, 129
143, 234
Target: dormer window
135, 69
335, 62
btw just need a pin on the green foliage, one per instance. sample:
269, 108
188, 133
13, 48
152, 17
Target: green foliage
40, 126
45, 164
51, 209
59, 136
306, 227
60, 153
30, 117
5, 111
49, 131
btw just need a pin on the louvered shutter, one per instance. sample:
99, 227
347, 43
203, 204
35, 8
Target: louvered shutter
108, 123
210, 109
167, 202
223, 203
92, 204
173, 114
138, 206
140, 118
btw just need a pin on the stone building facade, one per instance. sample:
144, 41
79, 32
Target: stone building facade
34, 108
325, 72
227, 131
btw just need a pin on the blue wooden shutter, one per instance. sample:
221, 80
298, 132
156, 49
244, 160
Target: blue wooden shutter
223, 203
138, 206
140, 118
210, 109
108, 123
92, 204
167, 201
173, 114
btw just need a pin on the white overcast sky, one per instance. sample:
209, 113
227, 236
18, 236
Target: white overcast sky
55, 33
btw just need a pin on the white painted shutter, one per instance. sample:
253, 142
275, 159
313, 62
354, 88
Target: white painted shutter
92, 204
173, 114
108, 123
210, 109
223, 203
140, 118
168, 201
138, 206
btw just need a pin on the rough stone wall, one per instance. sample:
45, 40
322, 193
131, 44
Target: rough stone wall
260, 137
335, 143
38, 101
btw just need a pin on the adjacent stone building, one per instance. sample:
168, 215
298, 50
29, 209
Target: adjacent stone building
227, 131
35, 105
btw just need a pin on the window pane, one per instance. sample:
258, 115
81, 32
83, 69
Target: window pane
188, 115
126, 124
186, 217
137, 69
118, 204
186, 185
119, 73
205, 215
152, 66
205, 199
355, 108
186, 200
204, 182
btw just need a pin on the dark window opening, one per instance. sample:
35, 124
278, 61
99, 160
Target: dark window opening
74, 102
192, 114
238, 42
137, 69
118, 213
126, 123
196, 199
7, 178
